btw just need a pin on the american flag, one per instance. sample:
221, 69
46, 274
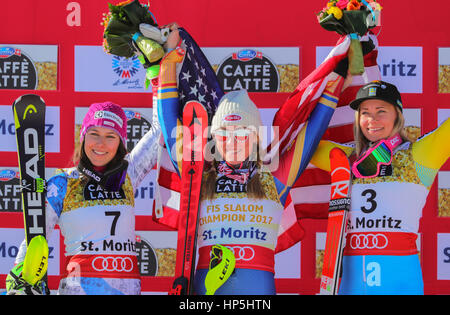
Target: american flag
309, 197
196, 81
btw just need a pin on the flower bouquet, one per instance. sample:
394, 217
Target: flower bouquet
354, 18
131, 29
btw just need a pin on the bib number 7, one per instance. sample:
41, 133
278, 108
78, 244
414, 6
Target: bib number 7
115, 215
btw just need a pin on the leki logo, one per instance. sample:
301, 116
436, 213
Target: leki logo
125, 67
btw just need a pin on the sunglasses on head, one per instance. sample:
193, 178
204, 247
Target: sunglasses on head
240, 135
369, 164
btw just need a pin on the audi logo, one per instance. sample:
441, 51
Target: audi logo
121, 264
245, 253
368, 241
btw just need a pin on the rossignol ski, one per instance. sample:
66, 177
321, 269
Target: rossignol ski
337, 221
195, 123
29, 119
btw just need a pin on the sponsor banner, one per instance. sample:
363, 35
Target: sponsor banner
413, 120
138, 124
444, 70
443, 176
443, 115
267, 133
10, 198
29, 67
260, 69
443, 256
10, 240
288, 263
444, 193
321, 239
8, 129
145, 194
444, 179
97, 71
156, 253
399, 65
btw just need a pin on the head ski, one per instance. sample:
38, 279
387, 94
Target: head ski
29, 118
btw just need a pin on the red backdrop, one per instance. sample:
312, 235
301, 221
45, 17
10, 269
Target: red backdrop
285, 23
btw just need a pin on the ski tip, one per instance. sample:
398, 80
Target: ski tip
221, 267
30, 95
36, 260
17, 100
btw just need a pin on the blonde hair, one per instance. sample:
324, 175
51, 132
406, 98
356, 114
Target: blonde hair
361, 142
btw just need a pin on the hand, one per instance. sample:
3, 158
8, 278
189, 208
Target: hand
174, 37
348, 81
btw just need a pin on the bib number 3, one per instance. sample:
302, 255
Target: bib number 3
370, 194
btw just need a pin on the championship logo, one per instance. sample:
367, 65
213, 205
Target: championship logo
126, 70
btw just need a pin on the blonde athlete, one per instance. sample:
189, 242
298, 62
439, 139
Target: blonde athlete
392, 177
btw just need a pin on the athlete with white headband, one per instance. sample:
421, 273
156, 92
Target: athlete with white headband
242, 200
392, 176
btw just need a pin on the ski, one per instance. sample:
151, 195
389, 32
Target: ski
29, 119
195, 123
337, 222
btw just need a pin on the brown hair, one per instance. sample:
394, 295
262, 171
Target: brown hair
254, 185
78, 154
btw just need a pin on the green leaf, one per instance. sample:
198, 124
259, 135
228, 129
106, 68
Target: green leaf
124, 22
351, 22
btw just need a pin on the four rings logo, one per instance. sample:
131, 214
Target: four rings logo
245, 253
111, 264
368, 241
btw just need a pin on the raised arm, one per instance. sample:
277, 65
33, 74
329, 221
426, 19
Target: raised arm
165, 104
321, 158
294, 160
431, 151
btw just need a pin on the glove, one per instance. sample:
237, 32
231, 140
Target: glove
16, 285
149, 53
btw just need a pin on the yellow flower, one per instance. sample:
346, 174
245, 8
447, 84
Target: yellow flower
336, 12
